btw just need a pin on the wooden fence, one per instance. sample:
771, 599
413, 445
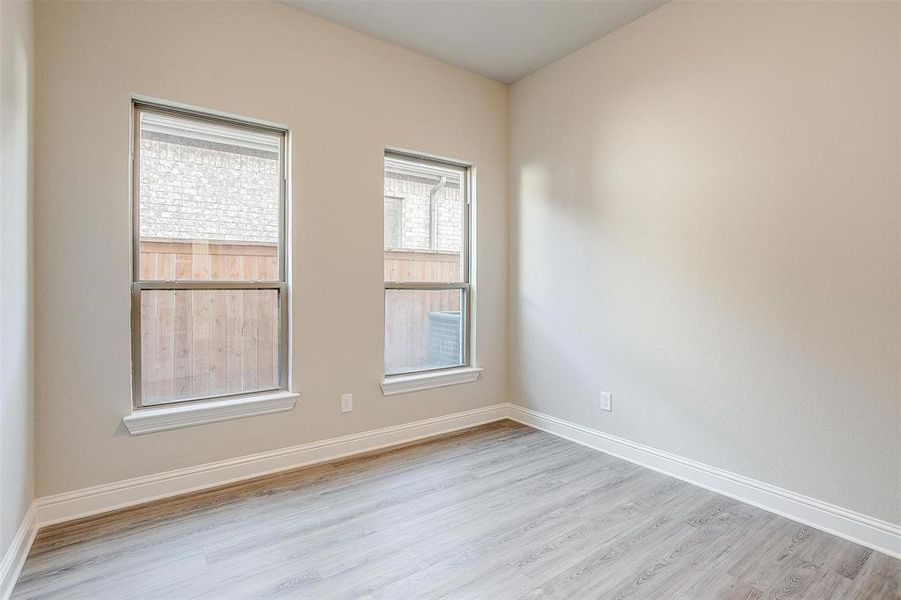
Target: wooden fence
198, 343
407, 325
419, 265
204, 261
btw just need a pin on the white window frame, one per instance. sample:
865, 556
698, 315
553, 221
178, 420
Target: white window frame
205, 409
398, 383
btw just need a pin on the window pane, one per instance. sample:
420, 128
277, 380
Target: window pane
424, 221
423, 330
209, 200
199, 343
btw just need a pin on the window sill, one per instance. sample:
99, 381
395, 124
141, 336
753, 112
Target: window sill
174, 416
402, 384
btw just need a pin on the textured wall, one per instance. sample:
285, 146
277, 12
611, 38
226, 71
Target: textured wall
705, 222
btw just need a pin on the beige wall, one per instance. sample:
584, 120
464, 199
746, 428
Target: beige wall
16, 361
345, 97
727, 175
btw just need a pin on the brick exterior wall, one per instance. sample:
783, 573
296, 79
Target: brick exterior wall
416, 206
196, 190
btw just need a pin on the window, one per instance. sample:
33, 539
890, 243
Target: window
427, 273
209, 309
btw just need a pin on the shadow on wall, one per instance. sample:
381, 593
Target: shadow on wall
713, 245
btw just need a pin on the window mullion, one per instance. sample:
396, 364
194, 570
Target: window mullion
208, 285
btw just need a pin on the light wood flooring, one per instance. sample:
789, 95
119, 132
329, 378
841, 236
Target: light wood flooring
500, 511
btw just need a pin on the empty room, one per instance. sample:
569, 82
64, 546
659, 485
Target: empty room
457, 299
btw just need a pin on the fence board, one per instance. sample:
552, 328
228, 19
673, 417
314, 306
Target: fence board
218, 343
234, 324
149, 360
200, 343
250, 339
165, 339
268, 340
182, 341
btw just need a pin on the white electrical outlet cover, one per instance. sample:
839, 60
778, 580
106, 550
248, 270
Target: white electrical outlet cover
606, 401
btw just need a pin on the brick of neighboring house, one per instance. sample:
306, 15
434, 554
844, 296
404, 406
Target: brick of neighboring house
416, 212
196, 191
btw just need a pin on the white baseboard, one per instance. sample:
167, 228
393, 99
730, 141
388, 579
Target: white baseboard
104, 498
879, 535
15, 554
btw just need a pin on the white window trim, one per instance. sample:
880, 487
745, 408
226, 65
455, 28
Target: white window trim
416, 382
257, 402
176, 416
468, 371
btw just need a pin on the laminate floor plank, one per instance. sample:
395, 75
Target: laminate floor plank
539, 561
500, 511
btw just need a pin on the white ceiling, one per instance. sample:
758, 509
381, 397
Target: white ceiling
501, 39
